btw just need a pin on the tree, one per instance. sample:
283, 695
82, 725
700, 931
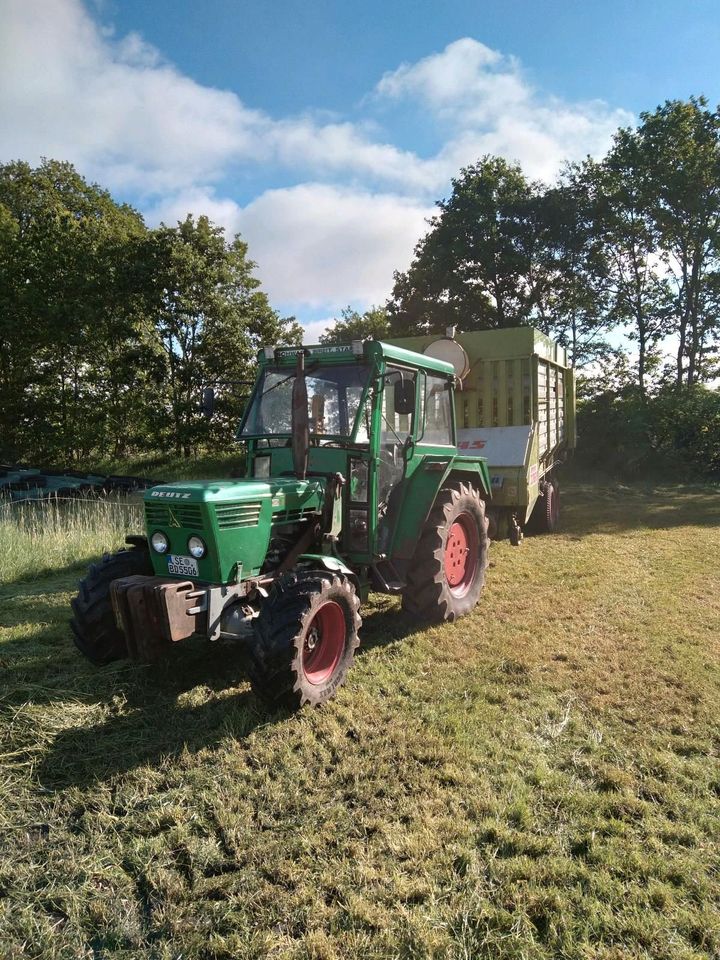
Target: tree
61, 299
680, 148
573, 296
109, 331
211, 319
373, 323
478, 266
618, 194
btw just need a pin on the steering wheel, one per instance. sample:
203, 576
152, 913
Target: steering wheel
388, 456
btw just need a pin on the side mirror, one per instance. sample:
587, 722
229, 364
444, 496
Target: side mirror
207, 405
404, 397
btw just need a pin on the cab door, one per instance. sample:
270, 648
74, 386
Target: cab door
397, 407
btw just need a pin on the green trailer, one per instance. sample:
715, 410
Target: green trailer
515, 405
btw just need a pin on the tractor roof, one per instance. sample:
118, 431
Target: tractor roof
365, 350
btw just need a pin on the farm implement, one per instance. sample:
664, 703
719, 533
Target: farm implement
31, 483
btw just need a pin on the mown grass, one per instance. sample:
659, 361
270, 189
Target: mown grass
539, 780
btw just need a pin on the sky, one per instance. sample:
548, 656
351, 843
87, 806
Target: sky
325, 132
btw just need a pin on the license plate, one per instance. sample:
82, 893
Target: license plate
182, 566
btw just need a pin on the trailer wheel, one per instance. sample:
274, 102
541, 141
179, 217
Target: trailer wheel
546, 512
447, 572
95, 632
304, 640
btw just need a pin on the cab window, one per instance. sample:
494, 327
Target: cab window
436, 400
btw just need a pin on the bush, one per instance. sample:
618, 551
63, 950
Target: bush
676, 429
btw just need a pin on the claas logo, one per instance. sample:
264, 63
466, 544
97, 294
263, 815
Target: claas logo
471, 444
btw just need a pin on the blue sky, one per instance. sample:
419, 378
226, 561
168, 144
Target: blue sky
324, 132
287, 56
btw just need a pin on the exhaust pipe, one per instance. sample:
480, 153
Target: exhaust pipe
300, 423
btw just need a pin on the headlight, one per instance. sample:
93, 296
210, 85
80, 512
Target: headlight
261, 467
160, 542
197, 547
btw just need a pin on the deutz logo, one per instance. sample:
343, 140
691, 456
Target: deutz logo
174, 522
170, 493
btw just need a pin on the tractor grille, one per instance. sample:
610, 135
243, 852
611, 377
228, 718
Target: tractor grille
294, 516
187, 515
232, 515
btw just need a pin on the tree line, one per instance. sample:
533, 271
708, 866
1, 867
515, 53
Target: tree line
619, 260
109, 330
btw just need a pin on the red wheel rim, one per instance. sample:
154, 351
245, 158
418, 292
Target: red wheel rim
324, 642
461, 554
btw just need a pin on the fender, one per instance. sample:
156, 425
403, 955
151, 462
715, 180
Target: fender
420, 491
333, 564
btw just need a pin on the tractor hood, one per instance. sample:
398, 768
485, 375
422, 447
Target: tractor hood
235, 519
282, 489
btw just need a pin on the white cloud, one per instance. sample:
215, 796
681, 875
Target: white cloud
466, 72
120, 113
326, 246
114, 109
316, 328
197, 201
316, 245
488, 105
129, 119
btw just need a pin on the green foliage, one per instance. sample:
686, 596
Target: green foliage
476, 266
676, 430
373, 323
211, 320
629, 244
109, 331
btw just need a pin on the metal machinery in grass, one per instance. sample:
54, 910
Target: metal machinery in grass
355, 482
514, 405
23, 484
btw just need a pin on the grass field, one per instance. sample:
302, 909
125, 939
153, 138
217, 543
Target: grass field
540, 780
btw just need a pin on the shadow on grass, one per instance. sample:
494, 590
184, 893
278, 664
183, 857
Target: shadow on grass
615, 507
152, 713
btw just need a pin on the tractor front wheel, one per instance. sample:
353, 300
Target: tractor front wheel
305, 639
447, 572
95, 632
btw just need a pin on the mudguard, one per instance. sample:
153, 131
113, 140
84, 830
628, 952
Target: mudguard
420, 491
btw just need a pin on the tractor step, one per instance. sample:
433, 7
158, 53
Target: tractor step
387, 577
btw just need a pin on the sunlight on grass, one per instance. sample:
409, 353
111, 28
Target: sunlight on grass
36, 538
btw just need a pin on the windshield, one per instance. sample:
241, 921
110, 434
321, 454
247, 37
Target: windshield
334, 395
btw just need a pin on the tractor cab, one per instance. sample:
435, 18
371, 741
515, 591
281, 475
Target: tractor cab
370, 412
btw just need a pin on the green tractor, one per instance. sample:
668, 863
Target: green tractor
354, 483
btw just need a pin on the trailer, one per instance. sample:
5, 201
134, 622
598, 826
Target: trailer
515, 405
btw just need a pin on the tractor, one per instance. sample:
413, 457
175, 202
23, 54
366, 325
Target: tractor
354, 483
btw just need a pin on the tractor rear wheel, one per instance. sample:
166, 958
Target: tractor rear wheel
95, 632
305, 639
447, 572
